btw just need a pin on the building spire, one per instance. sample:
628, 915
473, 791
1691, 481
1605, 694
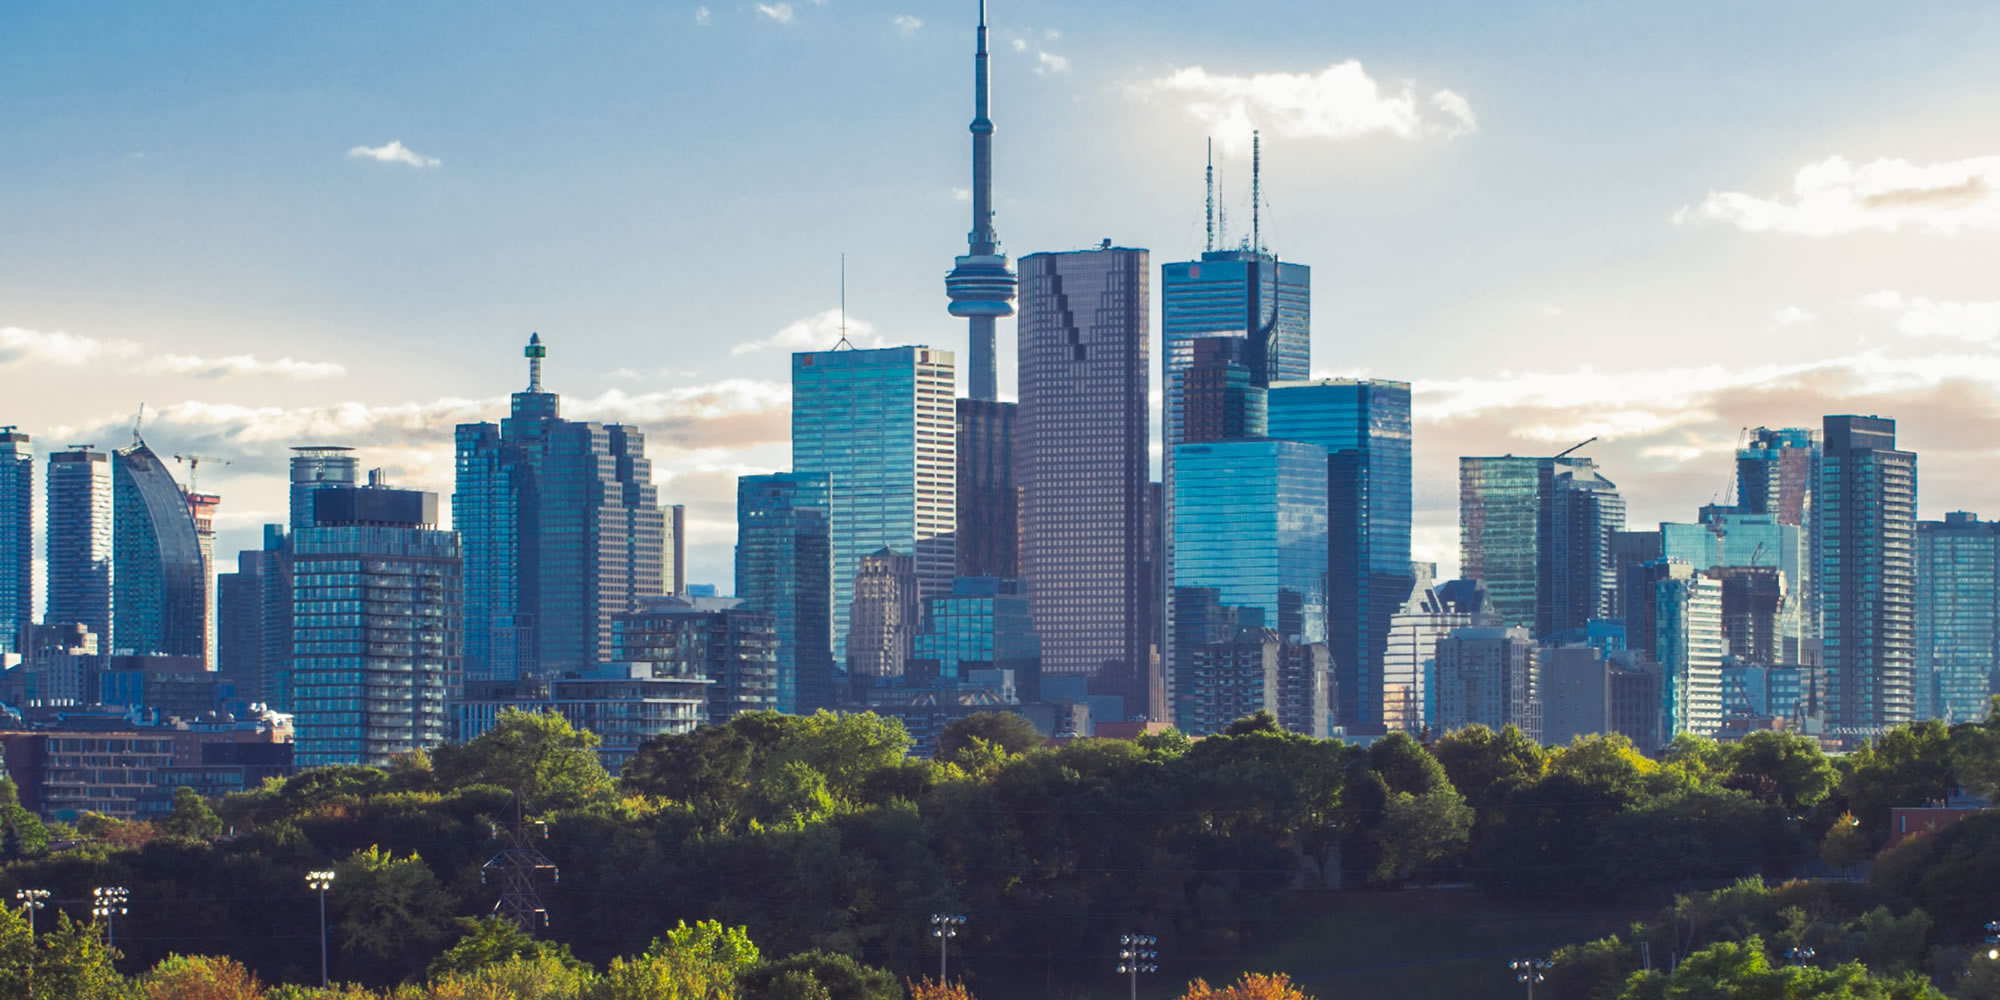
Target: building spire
1211, 196
981, 286
535, 353
1256, 193
843, 342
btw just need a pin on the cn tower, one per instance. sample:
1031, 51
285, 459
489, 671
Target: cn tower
981, 287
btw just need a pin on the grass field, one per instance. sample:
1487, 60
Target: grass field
1442, 943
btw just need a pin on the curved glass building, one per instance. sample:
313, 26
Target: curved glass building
158, 589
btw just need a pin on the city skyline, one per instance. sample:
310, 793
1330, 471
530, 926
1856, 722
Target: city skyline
1449, 195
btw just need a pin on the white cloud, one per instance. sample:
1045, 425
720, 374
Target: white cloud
779, 12
239, 365
1339, 102
961, 194
701, 16
1792, 316
1049, 64
1976, 322
1835, 197
906, 24
1051, 34
19, 346
814, 333
394, 152
1020, 44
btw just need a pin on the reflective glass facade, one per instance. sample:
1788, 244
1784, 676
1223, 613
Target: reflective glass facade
377, 638
881, 426
1958, 616
1752, 541
563, 529
1083, 462
1539, 533
159, 586
989, 499
984, 625
784, 568
1251, 525
1226, 293
17, 540
1364, 426
79, 541
1866, 518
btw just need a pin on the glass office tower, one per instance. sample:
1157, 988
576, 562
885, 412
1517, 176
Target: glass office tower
377, 625
17, 540
1747, 542
1958, 616
881, 426
1539, 532
1365, 428
1226, 293
784, 568
159, 589
984, 625
1252, 526
79, 542
562, 529
1867, 525
1083, 464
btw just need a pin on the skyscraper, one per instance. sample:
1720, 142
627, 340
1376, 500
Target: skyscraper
980, 286
880, 425
1745, 543
884, 618
1223, 395
1777, 472
1083, 463
79, 542
1958, 616
784, 568
1364, 426
984, 625
1246, 294
733, 647
377, 612
562, 529
17, 540
319, 467
1489, 677
1250, 525
989, 499
1409, 666
202, 508
1538, 533
1683, 634
159, 590
1866, 517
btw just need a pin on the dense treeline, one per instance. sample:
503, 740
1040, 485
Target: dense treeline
818, 836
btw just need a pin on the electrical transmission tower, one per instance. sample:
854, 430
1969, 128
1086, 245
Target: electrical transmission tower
516, 866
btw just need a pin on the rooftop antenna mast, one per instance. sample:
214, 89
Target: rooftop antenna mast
1256, 193
136, 422
1211, 195
843, 342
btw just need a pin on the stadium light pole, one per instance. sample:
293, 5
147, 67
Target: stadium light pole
320, 882
1799, 954
1136, 955
944, 927
31, 900
108, 903
1529, 970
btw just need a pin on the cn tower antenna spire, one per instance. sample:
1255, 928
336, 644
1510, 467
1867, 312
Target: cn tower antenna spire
1211, 196
981, 286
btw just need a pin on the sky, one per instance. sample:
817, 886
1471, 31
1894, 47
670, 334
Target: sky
1655, 224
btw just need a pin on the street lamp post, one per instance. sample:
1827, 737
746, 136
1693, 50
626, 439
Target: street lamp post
1136, 955
1529, 970
1993, 940
31, 900
944, 927
320, 882
108, 903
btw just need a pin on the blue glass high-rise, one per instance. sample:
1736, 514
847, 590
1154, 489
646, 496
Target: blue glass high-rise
17, 540
881, 426
159, 589
1958, 616
984, 625
1251, 525
1364, 426
1242, 293
784, 568
1866, 518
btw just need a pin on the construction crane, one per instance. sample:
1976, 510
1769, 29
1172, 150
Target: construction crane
194, 468
1574, 447
1728, 495
136, 421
